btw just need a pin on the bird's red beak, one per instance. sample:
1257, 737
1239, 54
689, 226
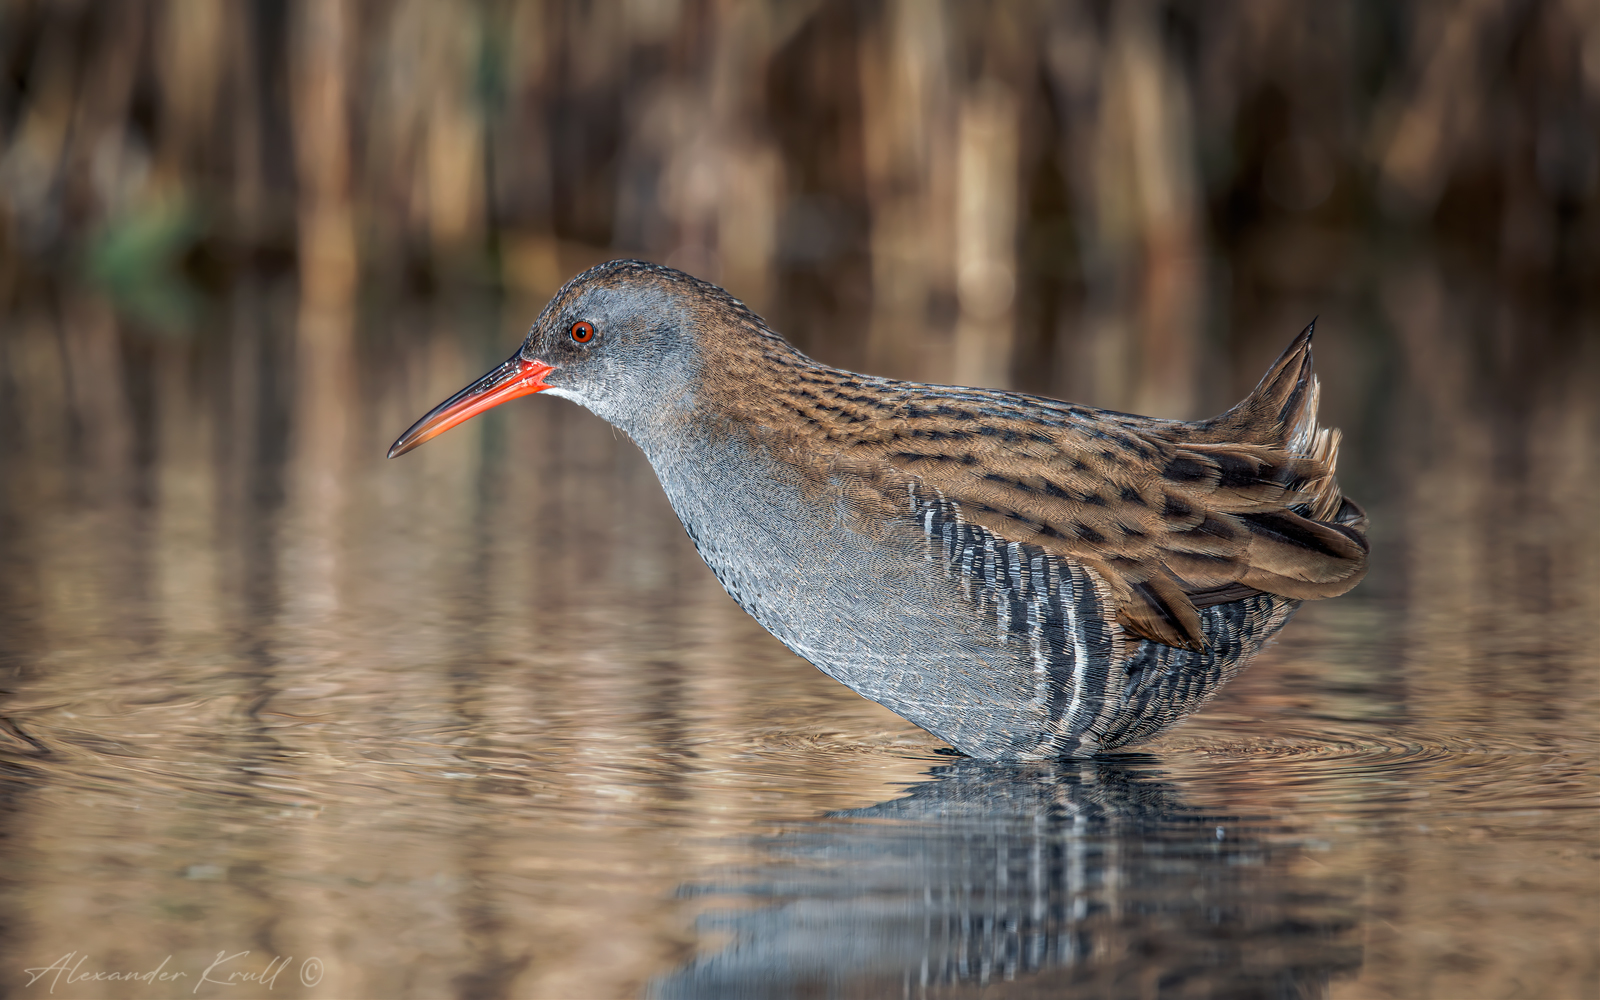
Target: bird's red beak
516, 377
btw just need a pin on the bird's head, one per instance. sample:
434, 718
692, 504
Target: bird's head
625, 339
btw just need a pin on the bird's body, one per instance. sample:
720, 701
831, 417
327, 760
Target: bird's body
1023, 577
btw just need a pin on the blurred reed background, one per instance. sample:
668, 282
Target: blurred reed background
1108, 201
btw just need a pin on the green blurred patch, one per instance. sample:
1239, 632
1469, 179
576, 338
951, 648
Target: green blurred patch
137, 259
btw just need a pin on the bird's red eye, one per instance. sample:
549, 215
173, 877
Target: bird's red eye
583, 331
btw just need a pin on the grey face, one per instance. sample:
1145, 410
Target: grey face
621, 339
622, 345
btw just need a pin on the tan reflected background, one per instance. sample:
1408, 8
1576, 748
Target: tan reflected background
479, 723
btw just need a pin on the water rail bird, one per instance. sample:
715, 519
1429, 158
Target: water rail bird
1022, 577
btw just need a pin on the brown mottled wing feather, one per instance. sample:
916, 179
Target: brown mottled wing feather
1172, 515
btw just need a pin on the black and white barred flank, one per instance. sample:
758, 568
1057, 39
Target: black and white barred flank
1100, 688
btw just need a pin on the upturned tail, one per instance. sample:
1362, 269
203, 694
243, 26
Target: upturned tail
1317, 546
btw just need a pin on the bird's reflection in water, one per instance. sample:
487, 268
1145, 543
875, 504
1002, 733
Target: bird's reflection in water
1086, 878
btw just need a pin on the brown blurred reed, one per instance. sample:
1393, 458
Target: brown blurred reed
1076, 197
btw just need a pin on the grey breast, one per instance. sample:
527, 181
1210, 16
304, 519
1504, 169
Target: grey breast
1001, 648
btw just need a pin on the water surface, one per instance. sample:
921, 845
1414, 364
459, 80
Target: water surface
479, 723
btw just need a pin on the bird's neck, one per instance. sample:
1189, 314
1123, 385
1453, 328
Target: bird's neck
739, 402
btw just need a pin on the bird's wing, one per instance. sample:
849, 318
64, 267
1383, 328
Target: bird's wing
1169, 515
